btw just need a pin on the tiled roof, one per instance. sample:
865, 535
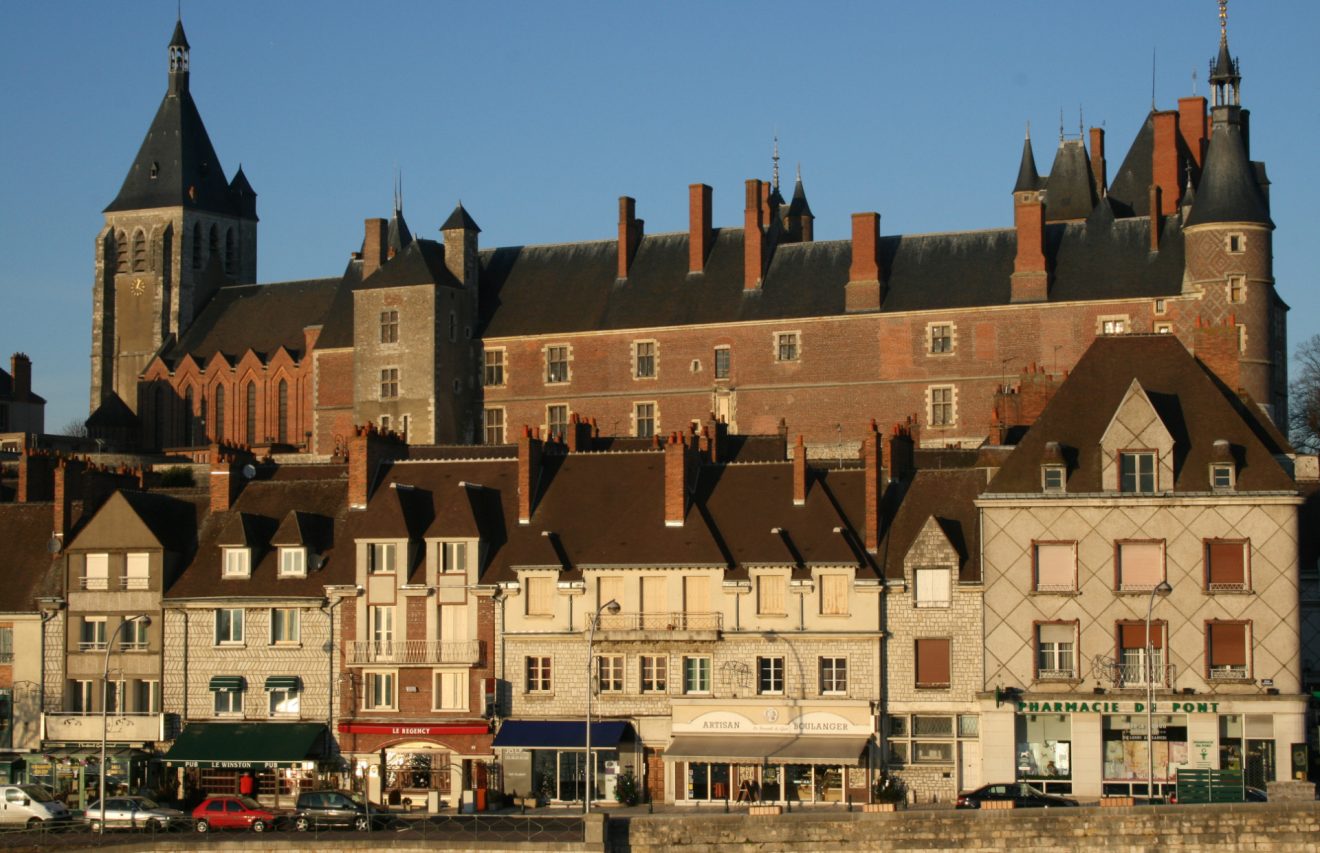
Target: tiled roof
26, 566
948, 497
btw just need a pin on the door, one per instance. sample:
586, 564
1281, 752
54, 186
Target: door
969, 765
655, 602
724, 409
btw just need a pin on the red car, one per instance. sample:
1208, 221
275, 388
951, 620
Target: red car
232, 813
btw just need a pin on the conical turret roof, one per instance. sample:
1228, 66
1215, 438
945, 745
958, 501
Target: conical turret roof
1028, 178
798, 206
1228, 191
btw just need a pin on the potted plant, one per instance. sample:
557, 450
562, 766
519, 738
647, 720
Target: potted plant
626, 790
887, 793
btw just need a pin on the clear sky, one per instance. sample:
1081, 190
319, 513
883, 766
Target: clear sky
539, 115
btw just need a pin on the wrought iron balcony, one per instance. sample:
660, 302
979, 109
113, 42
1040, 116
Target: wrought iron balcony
678, 624
1133, 674
410, 652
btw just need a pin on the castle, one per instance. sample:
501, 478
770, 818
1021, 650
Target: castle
446, 341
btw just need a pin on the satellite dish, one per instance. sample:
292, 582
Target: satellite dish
54, 545
249, 471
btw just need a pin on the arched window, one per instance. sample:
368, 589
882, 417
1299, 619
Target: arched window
162, 417
251, 413
197, 246
213, 247
284, 412
188, 417
121, 252
229, 251
219, 413
139, 251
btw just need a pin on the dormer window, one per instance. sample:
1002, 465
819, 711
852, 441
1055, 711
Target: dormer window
293, 562
1053, 478
1137, 472
1221, 477
380, 558
237, 562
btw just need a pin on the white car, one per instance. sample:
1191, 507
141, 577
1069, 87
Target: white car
134, 813
30, 805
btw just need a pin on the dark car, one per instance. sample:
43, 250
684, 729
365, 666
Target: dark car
337, 809
1023, 796
233, 813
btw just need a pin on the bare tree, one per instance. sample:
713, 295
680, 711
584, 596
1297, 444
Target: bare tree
76, 428
1304, 397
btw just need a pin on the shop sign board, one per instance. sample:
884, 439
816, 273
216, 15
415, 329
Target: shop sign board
772, 719
1105, 706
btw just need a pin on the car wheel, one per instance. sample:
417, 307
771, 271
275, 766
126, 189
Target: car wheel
302, 824
361, 824
202, 826
94, 825
33, 823
258, 825
155, 826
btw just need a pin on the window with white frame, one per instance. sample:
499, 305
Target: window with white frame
380, 691
380, 619
493, 425
285, 701
786, 346
644, 420
493, 373
539, 673
1113, 325
238, 562
229, 626
293, 562
285, 625
1056, 566
135, 637
1056, 643
941, 338
933, 586
92, 636
1137, 472
146, 696
927, 738
1053, 478
655, 673
228, 702
696, 674
556, 363
942, 411
609, 673
96, 572
1221, 476
381, 557
556, 420
451, 690
137, 571
833, 676
1135, 668
453, 557
770, 676
644, 359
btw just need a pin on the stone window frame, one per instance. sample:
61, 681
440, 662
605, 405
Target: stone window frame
727, 349
709, 675
642, 684
1229, 589
550, 422
539, 675
934, 604
296, 640
1161, 306
1118, 564
1134, 453
767, 673
391, 384
389, 326
368, 689
487, 426
1247, 672
1104, 325
1238, 237
499, 367
1235, 289
780, 339
952, 403
436, 693
635, 354
1074, 674
549, 374
616, 684
820, 675
951, 338
901, 732
1164, 328
1035, 567
636, 418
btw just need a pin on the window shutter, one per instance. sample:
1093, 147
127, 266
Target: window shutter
1058, 632
933, 586
770, 594
654, 594
1228, 644
98, 565
1227, 563
932, 662
1132, 635
834, 595
1140, 564
453, 623
696, 594
539, 596
1056, 566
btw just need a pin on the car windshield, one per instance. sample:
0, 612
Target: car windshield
37, 793
249, 803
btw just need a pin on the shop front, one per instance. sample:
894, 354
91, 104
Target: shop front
272, 762
73, 771
767, 751
546, 759
1115, 746
419, 765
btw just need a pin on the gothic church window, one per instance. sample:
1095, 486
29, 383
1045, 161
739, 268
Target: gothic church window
284, 411
121, 252
197, 246
219, 413
251, 413
139, 251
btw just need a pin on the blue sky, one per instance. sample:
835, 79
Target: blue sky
540, 115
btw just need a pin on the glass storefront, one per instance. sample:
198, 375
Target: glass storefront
561, 774
794, 783
1246, 742
1126, 757
1044, 751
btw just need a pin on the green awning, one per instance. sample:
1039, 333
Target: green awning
281, 682
243, 746
226, 682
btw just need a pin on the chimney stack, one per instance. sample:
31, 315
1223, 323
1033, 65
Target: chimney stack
676, 474
900, 456
368, 449
1098, 167
874, 488
630, 234
20, 368
1164, 163
699, 228
753, 237
800, 473
68, 483
529, 474
373, 245
864, 291
1192, 127
1216, 347
1030, 280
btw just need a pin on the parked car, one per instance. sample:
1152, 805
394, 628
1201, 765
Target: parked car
1023, 796
233, 813
30, 805
337, 809
133, 813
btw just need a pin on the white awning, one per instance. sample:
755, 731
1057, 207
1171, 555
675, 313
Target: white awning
768, 749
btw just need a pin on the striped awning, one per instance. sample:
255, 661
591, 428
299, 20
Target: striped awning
226, 682
281, 682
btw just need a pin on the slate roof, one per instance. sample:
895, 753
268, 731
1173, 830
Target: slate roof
174, 521
1028, 178
1129, 191
261, 317
337, 323
1070, 187
459, 218
26, 567
420, 262
1196, 409
947, 496
1228, 191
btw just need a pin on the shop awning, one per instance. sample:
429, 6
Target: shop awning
242, 746
226, 682
560, 734
768, 749
280, 682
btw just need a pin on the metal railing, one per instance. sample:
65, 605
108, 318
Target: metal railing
414, 652
1228, 673
97, 582
1056, 674
1119, 675
666, 621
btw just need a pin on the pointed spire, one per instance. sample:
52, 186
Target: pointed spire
178, 59
798, 206
1225, 75
460, 219
1028, 178
774, 173
398, 237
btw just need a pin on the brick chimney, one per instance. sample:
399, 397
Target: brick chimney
700, 234
1098, 167
676, 474
1216, 347
1030, 280
373, 245
20, 369
368, 449
1164, 161
874, 488
67, 483
900, 453
800, 473
529, 474
1192, 126
753, 237
577, 438
36, 476
226, 479
630, 234
1156, 218
864, 292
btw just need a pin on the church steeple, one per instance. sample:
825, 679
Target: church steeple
178, 53
1225, 78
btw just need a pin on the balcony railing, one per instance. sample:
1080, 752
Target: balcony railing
1228, 673
91, 646
94, 582
98, 583
1056, 675
414, 652
675, 621
1237, 586
1136, 674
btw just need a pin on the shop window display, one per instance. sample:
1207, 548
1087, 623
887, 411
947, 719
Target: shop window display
1125, 762
1044, 751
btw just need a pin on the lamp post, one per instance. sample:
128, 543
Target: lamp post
1162, 589
105, 694
613, 607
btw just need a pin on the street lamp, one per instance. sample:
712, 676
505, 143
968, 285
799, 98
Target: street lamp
1162, 589
105, 694
613, 608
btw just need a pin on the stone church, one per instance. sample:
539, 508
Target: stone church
756, 324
